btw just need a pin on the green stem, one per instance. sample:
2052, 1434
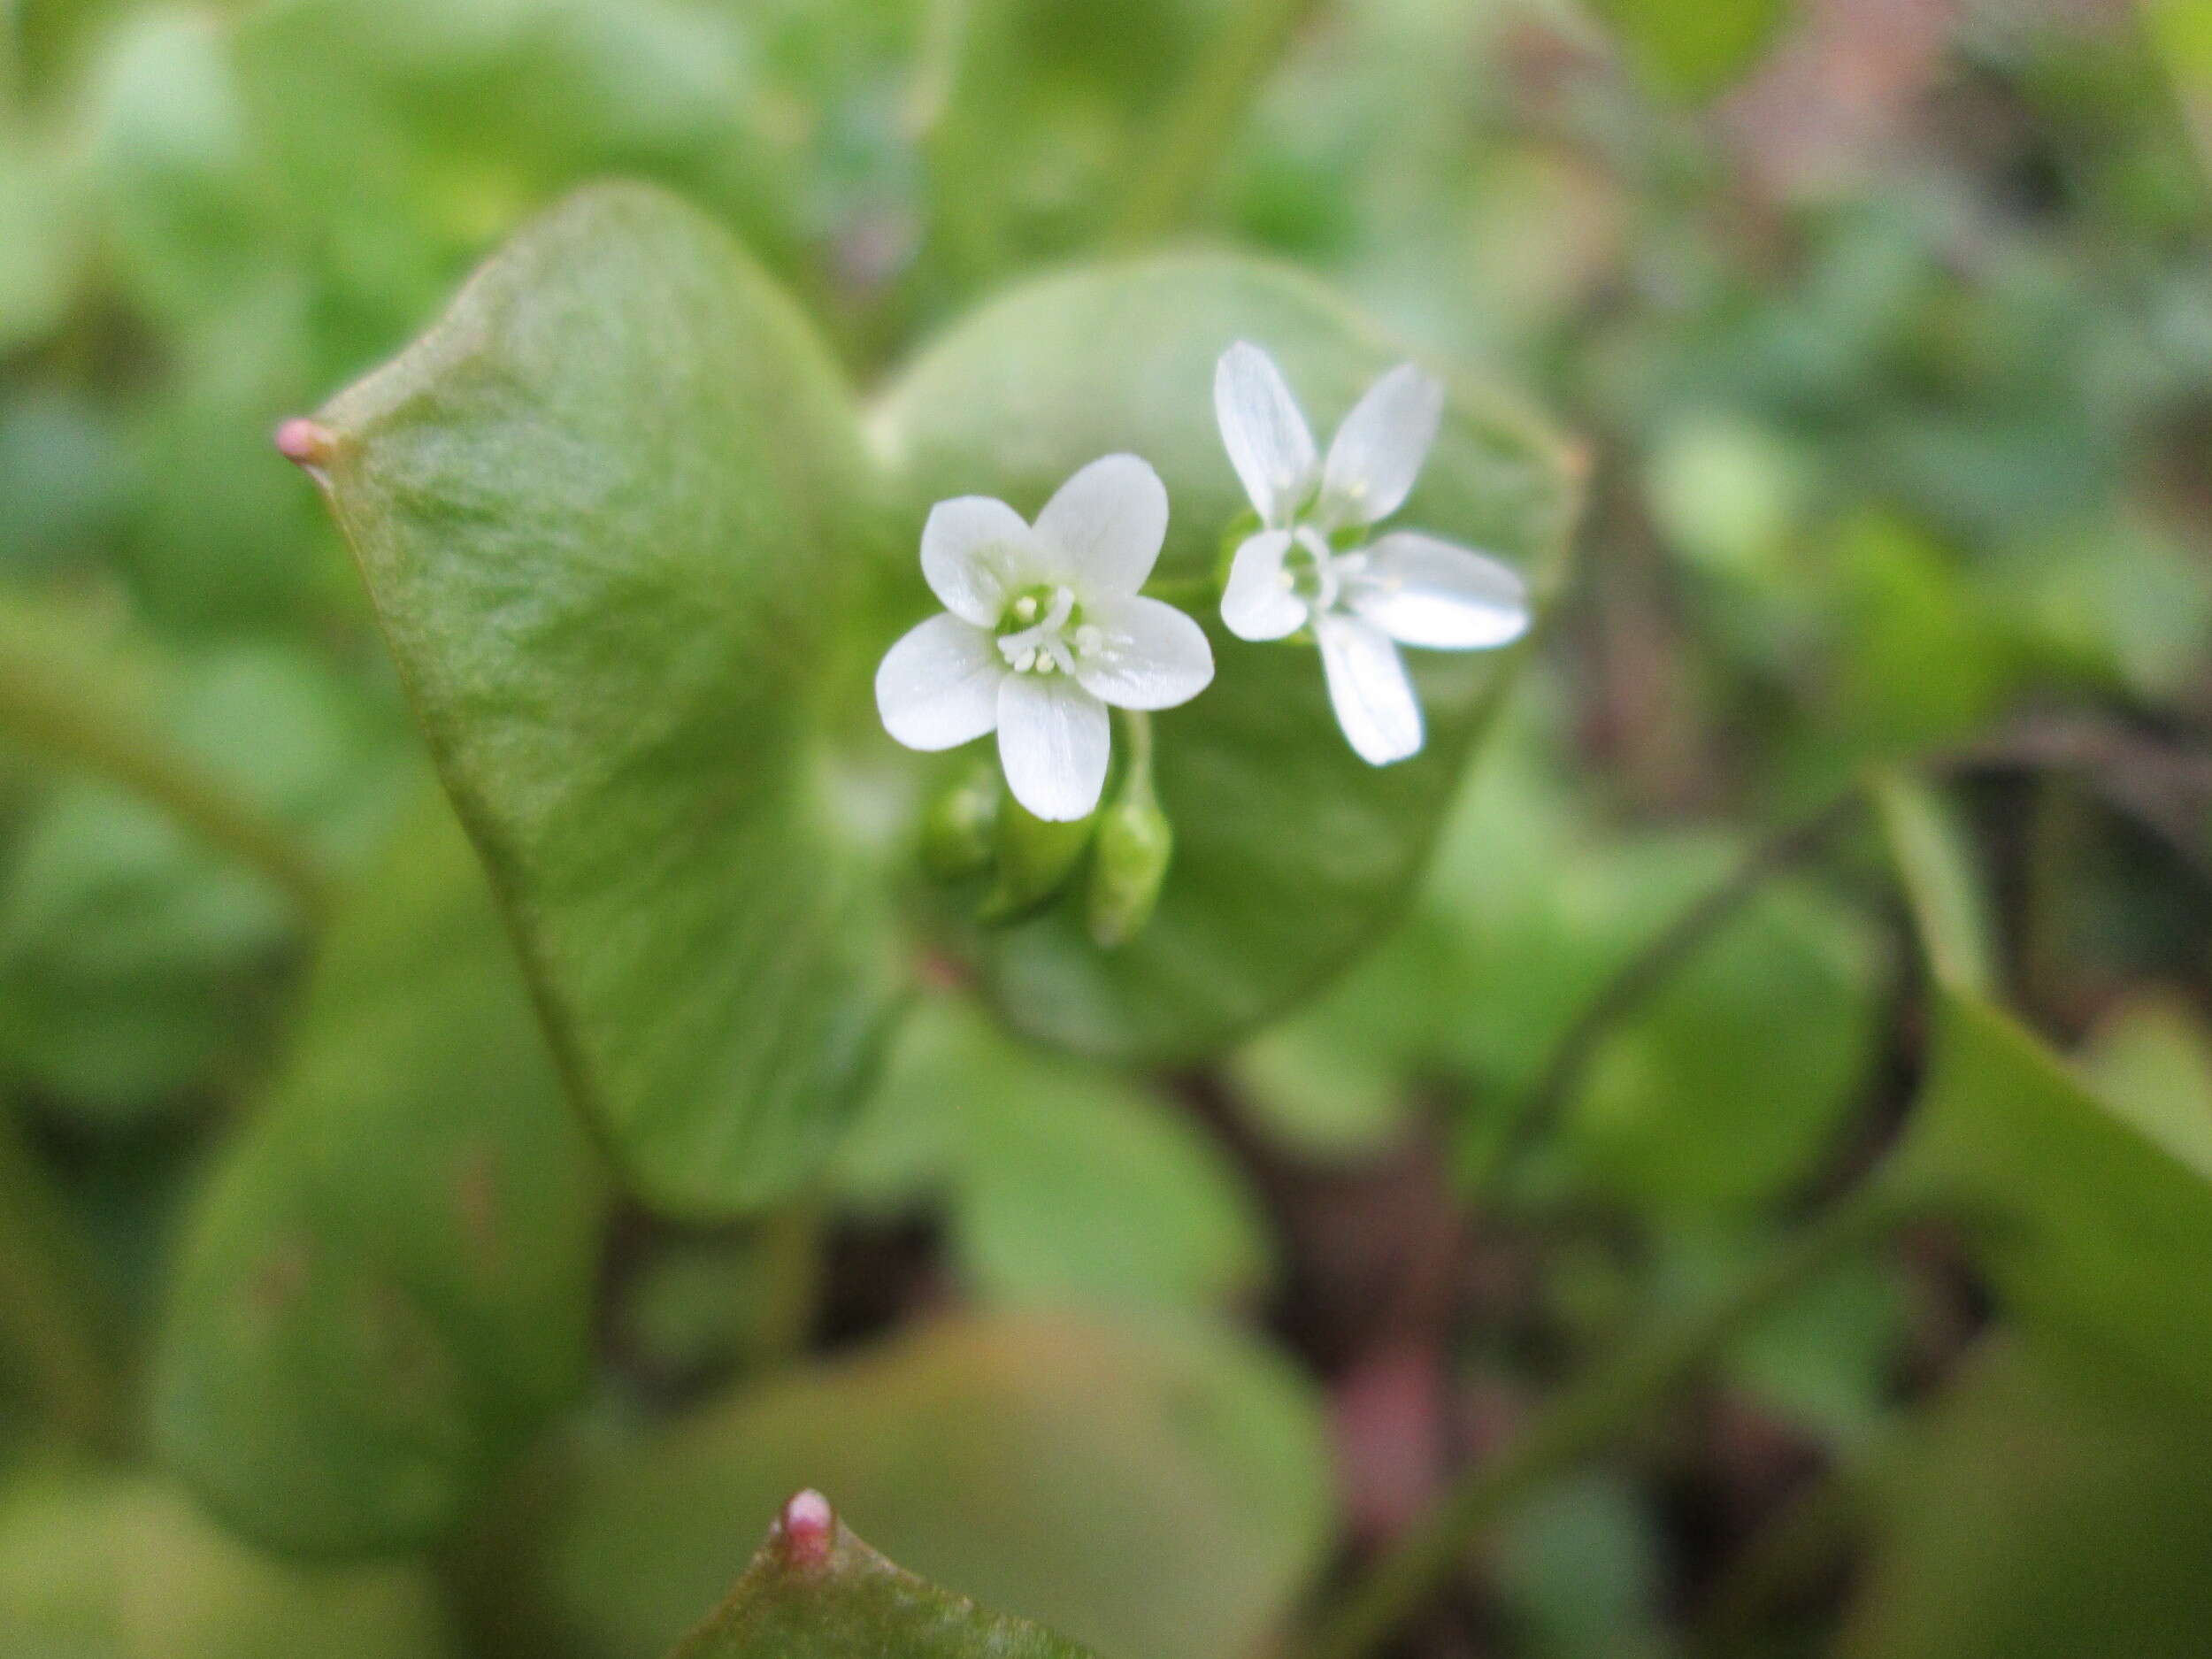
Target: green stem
1136, 726
1643, 974
61, 721
60, 1346
1197, 128
1594, 1411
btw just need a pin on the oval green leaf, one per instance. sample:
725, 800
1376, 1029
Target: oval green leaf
1291, 854
387, 1287
611, 512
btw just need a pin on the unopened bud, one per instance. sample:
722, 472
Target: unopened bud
1035, 858
1135, 845
957, 831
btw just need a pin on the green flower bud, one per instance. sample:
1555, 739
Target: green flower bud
961, 824
1035, 860
1135, 845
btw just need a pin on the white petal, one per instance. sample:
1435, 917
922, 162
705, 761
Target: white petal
1266, 436
1421, 591
1101, 532
973, 550
1152, 657
1053, 740
1378, 451
938, 687
1258, 603
1368, 689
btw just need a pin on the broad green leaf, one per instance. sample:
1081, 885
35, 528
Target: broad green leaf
1156, 1495
1692, 52
1064, 1182
2094, 1220
112, 1566
388, 1284
1291, 854
814, 1591
612, 515
2035, 1516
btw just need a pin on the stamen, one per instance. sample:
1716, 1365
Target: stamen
1040, 647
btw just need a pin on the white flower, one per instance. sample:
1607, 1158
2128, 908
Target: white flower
1043, 627
1361, 603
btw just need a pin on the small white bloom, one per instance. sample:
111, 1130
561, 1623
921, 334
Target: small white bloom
1361, 603
1043, 627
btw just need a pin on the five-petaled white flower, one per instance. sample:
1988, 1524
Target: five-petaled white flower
1043, 627
1404, 588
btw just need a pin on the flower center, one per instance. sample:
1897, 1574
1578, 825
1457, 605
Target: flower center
1314, 575
1041, 632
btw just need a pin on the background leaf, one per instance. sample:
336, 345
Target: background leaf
388, 1284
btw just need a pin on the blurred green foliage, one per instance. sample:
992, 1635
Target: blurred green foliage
1884, 334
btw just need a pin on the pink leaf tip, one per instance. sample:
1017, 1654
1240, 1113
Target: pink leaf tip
808, 1525
303, 442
